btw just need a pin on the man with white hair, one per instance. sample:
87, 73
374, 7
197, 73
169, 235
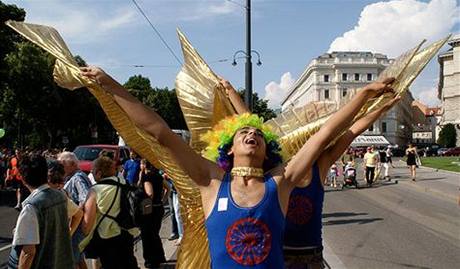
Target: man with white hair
77, 185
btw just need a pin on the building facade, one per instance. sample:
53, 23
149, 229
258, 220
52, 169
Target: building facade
449, 85
425, 124
332, 76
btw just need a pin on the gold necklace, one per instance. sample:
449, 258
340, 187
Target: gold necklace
247, 172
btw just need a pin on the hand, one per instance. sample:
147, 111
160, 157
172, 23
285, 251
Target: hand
96, 73
378, 88
226, 85
389, 104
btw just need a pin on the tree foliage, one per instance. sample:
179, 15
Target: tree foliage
260, 106
447, 136
163, 101
34, 111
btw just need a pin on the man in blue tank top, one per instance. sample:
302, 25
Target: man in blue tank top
245, 194
303, 246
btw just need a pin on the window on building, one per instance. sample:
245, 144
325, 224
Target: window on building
356, 77
371, 128
344, 92
369, 77
344, 76
326, 94
384, 127
326, 78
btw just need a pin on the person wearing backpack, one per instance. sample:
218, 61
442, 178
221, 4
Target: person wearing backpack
152, 184
104, 237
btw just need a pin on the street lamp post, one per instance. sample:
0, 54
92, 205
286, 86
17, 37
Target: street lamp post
247, 55
248, 92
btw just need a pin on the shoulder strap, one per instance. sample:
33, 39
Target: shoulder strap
106, 214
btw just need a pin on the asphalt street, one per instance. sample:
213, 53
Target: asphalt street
405, 225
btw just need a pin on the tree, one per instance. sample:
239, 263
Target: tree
162, 100
260, 106
447, 136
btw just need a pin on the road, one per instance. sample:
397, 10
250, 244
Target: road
405, 225
8, 216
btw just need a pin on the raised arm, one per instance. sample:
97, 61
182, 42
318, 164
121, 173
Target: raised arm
234, 97
328, 157
298, 170
198, 168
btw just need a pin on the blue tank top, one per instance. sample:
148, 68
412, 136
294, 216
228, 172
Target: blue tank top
303, 219
246, 237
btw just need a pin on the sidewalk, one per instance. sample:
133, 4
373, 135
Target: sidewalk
445, 184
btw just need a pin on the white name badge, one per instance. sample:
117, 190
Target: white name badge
222, 204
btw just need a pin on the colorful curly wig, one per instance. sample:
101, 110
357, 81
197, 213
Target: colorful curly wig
220, 139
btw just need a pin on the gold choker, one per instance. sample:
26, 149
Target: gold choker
247, 172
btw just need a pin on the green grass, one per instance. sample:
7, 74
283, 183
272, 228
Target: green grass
445, 163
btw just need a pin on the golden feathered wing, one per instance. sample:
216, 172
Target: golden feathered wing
201, 97
194, 252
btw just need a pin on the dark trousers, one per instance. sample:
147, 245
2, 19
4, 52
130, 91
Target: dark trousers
150, 226
117, 252
304, 259
370, 171
174, 228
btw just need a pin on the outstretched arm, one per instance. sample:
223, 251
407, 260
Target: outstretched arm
328, 157
198, 168
234, 97
298, 170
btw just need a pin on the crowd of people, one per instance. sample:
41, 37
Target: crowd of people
67, 221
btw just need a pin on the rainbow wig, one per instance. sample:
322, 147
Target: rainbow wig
220, 139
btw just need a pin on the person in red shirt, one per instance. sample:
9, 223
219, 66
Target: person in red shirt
14, 177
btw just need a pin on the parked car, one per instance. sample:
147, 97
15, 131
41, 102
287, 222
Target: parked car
88, 153
441, 151
432, 150
452, 152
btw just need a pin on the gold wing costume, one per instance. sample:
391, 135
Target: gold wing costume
203, 103
193, 252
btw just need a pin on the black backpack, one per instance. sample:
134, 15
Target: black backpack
134, 203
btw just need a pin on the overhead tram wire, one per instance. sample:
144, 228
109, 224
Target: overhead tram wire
156, 31
236, 3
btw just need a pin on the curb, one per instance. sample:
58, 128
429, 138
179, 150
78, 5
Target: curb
441, 194
437, 169
440, 170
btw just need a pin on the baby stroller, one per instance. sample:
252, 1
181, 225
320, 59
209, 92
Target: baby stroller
349, 176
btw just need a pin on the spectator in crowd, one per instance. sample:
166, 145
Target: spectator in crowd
370, 162
77, 185
389, 155
411, 154
176, 211
153, 185
3, 167
174, 229
14, 177
131, 168
56, 181
384, 162
41, 238
104, 237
